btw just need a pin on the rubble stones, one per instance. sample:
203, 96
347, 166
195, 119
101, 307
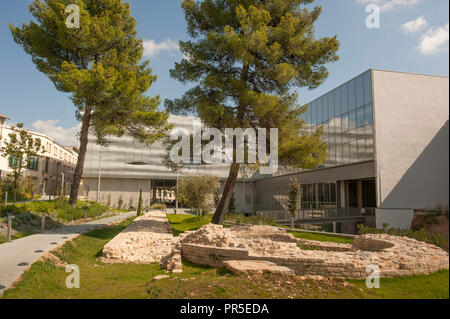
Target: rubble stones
256, 267
213, 245
146, 240
149, 239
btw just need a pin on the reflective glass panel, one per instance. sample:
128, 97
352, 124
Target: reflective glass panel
319, 111
360, 117
337, 102
338, 153
367, 87
352, 120
359, 91
368, 119
330, 105
313, 113
346, 153
324, 108
361, 150
344, 122
351, 95
353, 152
344, 98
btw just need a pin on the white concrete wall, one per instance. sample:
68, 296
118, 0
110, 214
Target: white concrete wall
394, 218
411, 142
125, 188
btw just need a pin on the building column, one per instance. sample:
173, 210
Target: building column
359, 193
342, 193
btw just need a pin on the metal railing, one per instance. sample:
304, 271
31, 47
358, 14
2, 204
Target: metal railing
319, 213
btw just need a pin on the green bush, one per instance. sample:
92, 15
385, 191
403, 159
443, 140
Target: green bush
58, 208
158, 206
434, 239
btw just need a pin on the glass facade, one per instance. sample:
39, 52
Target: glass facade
345, 114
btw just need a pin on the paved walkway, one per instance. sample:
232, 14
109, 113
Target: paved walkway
17, 256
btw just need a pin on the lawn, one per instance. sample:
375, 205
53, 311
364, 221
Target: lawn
322, 237
46, 278
181, 223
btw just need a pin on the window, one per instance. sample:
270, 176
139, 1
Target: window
351, 95
367, 87
319, 110
344, 98
313, 113
346, 153
360, 117
353, 151
359, 91
338, 153
352, 120
331, 151
14, 161
330, 105
308, 114
33, 163
368, 115
344, 122
337, 102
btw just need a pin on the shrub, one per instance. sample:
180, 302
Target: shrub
158, 206
59, 208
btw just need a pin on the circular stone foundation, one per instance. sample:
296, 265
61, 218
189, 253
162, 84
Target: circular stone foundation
395, 256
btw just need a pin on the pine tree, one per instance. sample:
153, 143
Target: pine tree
99, 65
245, 58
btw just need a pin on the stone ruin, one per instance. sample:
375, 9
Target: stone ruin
266, 247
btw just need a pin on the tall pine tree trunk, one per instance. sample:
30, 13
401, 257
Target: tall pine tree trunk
221, 210
81, 156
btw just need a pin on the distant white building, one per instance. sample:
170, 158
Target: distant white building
54, 167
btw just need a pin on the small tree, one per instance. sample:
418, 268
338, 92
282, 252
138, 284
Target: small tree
108, 203
130, 203
197, 191
120, 203
139, 209
294, 196
20, 149
30, 185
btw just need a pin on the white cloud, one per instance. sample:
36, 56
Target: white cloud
433, 40
64, 136
386, 5
415, 25
152, 48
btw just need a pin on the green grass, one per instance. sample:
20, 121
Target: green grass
322, 237
44, 280
16, 235
181, 223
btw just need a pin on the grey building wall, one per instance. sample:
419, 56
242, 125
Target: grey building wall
126, 166
411, 144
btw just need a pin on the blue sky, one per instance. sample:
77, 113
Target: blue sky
413, 37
